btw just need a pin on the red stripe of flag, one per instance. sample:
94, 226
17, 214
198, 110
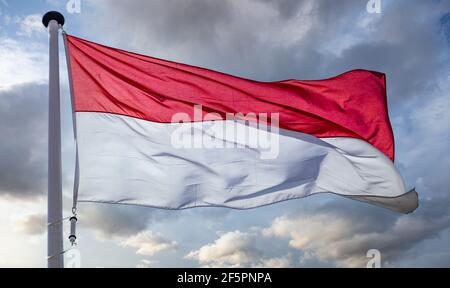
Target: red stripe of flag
114, 81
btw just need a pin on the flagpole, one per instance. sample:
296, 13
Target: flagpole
54, 21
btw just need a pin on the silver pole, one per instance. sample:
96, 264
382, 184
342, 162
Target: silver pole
54, 20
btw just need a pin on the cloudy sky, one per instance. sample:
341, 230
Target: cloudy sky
261, 39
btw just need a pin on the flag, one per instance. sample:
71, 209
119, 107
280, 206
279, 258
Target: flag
162, 134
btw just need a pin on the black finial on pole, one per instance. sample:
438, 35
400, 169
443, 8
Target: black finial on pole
53, 15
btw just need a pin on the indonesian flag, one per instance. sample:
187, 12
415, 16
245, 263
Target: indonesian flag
157, 133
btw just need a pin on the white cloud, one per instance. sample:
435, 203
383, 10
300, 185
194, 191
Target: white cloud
231, 249
345, 239
30, 25
32, 224
279, 262
22, 63
145, 264
236, 249
149, 243
15, 249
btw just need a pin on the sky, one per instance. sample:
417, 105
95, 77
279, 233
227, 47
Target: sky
265, 40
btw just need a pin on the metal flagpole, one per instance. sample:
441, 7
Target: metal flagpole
53, 21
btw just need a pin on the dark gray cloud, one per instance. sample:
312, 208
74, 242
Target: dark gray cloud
110, 221
23, 147
405, 43
445, 24
271, 40
174, 22
333, 234
286, 8
223, 34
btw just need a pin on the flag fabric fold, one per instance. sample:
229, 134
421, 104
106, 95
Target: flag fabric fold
157, 133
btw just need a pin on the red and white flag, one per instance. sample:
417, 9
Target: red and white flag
162, 134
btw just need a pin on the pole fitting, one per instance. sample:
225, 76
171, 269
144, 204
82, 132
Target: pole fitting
73, 223
53, 15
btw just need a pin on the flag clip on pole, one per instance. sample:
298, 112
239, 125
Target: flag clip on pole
73, 225
54, 21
